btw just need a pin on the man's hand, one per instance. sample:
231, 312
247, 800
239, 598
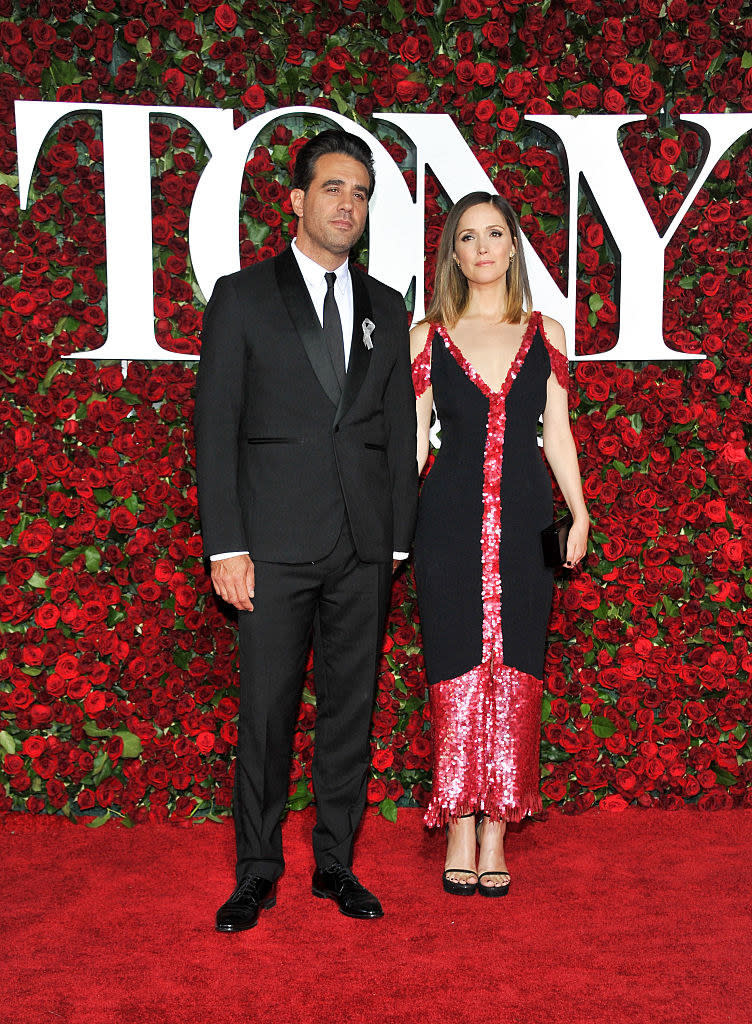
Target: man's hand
234, 580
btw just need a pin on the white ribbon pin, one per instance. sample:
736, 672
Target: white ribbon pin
368, 328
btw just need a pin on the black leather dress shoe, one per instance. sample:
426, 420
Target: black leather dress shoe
338, 883
241, 911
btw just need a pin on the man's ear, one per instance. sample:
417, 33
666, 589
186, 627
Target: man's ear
297, 195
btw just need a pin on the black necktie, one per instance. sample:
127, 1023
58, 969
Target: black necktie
333, 329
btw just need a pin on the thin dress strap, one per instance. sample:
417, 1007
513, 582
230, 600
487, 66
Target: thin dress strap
421, 366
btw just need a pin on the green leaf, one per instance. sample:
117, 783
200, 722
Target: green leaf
388, 810
595, 302
52, 371
181, 658
549, 752
38, 581
620, 468
603, 727
131, 503
7, 742
396, 10
69, 556
131, 743
546, 710
102, 495
91, 730
102, 767
100, 820
343, 106
93, 559
636, 420
299, 803
746, 60
64, 72
687, 282
724, 778
257, 231
614, 410
11, 180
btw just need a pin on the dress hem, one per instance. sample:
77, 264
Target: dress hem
438, 814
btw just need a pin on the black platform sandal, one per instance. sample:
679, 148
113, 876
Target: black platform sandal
459, 888
455, 888
491, 890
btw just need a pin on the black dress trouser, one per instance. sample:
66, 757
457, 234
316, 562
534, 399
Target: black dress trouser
343, 601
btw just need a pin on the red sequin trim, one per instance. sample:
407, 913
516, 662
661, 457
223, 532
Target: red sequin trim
486, 722
421, 366
486, 737
559, 362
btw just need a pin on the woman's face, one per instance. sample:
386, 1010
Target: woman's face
483, 244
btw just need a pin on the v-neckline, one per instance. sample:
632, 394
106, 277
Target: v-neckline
472, 374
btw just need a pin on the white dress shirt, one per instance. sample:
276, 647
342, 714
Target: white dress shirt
315, 281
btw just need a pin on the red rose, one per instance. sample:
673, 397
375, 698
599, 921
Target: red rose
86, 799
94, 702
485, 110
205, 742
513, 86
410, 50
376, 791
13, 764
465, 72
36, 538
472, 9
508, 119
382, 759
41, 715
174, 81
485, 74
254, 98
715, 510
640, 86
225, 18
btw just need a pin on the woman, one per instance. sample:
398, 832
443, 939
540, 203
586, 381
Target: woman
484, 593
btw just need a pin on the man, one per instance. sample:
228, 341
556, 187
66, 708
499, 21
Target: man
307, 479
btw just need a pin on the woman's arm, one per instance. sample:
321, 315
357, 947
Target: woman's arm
424, 401
558, 444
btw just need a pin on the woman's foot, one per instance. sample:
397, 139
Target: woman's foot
460, 877
493, 877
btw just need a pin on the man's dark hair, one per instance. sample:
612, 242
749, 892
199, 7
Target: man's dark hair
333, 140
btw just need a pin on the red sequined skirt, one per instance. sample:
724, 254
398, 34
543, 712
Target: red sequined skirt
486, 741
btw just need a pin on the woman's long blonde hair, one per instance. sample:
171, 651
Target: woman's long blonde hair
450, 291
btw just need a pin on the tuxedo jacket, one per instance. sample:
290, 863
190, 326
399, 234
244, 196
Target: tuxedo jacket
282, 456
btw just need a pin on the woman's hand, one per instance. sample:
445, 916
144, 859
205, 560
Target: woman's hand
577, 542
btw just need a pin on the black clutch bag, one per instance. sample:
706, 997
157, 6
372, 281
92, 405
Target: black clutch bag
554, 540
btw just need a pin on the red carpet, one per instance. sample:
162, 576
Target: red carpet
638, 917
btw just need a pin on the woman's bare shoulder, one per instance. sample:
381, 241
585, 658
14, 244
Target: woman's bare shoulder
554, 332
419, 337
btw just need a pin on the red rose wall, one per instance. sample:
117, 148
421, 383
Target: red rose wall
117, 689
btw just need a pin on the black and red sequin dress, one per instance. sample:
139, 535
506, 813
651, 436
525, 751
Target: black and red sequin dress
484, 593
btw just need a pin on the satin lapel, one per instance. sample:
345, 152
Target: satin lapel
360, 356
298, 302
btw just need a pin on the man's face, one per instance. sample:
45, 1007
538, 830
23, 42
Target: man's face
332, 212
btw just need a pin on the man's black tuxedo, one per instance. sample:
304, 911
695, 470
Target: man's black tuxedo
321, 488
278, 450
